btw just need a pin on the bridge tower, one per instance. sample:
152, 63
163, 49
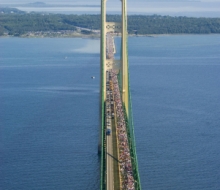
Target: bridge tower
122, 68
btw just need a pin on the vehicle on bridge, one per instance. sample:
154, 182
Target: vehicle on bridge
108, 131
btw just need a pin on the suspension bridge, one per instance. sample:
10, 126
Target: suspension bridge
119, 166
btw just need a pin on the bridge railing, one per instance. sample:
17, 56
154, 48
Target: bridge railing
103, 146
103, 157
103, 153
130, 125
131, 139
131, 131
132, 146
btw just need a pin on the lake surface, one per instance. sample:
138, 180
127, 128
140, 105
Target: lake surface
49, 112
208, 8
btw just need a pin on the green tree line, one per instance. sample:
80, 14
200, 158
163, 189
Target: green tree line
17, 24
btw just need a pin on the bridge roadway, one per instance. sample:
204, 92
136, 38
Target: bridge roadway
109, 137
117, 140
110, 167
119, 167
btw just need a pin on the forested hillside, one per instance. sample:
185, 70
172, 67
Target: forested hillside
18, 24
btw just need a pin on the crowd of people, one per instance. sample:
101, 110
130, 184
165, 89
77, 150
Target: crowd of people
125, 164
114, 98
109, 109
109, 46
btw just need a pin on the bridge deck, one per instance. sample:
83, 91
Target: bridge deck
119, 172
119, 166
123, 157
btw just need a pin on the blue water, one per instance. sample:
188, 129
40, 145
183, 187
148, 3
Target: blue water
189, 8
49, 112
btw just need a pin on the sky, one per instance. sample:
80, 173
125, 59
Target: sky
198, 8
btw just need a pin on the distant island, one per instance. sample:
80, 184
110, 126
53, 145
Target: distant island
18, 23
37, 4
41, 4
45, 5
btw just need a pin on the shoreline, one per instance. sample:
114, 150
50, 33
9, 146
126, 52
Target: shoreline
96, 36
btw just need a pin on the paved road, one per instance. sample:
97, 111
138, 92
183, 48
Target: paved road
110, 173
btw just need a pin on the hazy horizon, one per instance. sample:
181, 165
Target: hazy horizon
202, 8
